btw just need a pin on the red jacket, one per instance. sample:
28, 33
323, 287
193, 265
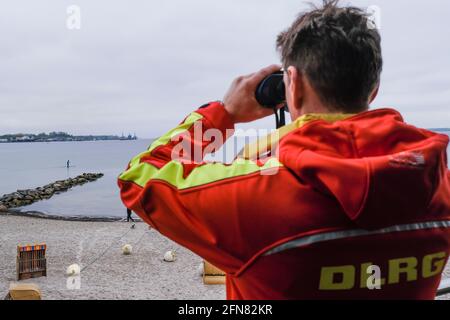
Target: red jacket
345, 193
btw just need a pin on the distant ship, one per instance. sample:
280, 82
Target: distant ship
129, 137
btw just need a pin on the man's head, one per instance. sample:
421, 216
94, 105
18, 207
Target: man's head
332, 57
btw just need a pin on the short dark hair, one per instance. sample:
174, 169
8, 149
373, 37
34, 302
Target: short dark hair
339, 51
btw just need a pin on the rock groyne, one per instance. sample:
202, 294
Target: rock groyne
26, 197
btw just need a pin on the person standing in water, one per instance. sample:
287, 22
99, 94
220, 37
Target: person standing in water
68, 164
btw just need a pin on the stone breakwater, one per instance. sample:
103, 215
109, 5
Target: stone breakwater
22, 198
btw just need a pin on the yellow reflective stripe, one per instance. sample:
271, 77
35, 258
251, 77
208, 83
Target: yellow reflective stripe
139, 173
165, 139
172, 173
264, 144
185, 126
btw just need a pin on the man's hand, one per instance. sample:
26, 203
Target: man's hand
240, 101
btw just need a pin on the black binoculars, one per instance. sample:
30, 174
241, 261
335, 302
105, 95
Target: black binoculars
271, 91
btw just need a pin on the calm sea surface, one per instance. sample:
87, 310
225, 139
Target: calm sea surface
30, 165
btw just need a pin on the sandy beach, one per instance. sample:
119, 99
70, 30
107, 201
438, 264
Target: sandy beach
141, 275
108, 274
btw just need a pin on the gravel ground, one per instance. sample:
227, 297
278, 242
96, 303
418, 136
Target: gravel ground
141, 275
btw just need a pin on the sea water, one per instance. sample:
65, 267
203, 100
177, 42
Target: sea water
30, 165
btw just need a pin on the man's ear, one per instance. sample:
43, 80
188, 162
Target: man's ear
374, 94
295, 88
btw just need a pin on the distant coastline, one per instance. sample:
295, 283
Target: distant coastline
60, 137
440, 129
65, 137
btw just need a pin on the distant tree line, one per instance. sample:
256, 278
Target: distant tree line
440, 129
59, 136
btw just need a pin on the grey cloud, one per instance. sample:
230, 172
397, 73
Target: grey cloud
141, 66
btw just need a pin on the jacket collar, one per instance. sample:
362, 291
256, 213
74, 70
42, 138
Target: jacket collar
263, 145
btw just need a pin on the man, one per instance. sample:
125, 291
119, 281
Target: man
359, 207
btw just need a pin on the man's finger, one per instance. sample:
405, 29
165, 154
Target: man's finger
248, 76
264, 73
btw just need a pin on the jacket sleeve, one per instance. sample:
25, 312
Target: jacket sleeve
194, 203
160, 184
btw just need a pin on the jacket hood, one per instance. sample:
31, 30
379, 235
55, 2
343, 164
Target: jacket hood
381, 170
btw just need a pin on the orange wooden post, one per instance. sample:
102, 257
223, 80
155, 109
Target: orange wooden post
212, 274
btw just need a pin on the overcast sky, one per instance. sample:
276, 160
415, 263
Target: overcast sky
141, 66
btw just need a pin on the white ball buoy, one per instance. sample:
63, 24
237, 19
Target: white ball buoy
73, 270
127, 249
170, 256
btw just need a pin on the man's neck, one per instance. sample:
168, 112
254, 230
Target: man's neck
309, 109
